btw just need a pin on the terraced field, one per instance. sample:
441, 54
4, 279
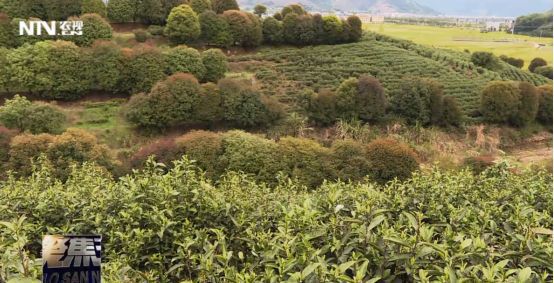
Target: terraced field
286, 71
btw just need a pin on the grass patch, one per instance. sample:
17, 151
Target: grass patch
445, 37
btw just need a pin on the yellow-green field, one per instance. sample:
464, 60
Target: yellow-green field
524, 47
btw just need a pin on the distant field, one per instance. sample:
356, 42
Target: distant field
440, 37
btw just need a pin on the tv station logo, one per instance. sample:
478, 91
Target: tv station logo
71, 259
51, 28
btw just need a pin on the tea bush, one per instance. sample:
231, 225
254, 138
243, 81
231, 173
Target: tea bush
544, 114
23, 115
176, 226
535, 63
391, 159
205, 148
499, 101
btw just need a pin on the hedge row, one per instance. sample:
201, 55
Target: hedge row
61, 70
180, 99
298, 158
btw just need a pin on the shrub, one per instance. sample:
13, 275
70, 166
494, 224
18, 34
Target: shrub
371, 99
95, 7
143, 67
390, 159
260, 10
141, 35
150, 12
64, 65
26, 148
8, 37
182, 25
205, 148
452, 114
171, 102
215, 30
200, 6
245, 28
6, 136
347, 107
183, 59
544, 114
545, 71
486, 60
251, 154
518, 63
349, 160
121, 11
306, 160
294, 8
242, 105
528, 105
105, 65
535, 63
272, 31
499, 101
165, 151
155, 30
321, 107
94, 27
215, 63
419, 101
478, 164
220, 6
333, 29
355, 28
209, 108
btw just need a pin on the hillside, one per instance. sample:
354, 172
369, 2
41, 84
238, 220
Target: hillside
374, 6
285, 71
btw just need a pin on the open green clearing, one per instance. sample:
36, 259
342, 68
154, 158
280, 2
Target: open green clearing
444, 37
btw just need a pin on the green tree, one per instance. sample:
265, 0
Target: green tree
518, 63
143, 67
499, 101
121, 11
215, 63
537, 62
294, 8
355, 28
200, 6
349, 160
220, 6
183, 25
19, 113
215, 29
209, 108
272, 31
418, 100
260, 10
245, 28
184, 59
171, 102
371, 99
452, 114
486, 60
333, 29
8, 37
544, 114
64, 65
94, 7
150, 12
321, 106
528, 106
94, 27
242, 105
205, 148
61, 9
105, 65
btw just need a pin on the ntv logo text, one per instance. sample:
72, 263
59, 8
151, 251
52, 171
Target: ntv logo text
52, 28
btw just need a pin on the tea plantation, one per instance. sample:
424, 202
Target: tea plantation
177, 226
285, 70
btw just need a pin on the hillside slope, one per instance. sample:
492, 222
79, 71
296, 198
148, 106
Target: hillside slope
286, 71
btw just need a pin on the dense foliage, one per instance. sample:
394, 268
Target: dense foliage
23, 115
544, 114
61, 70
537, 24
175, 226
537, 62
183, 25
516, 62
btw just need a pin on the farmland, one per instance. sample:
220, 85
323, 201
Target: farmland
471, 39
285, 70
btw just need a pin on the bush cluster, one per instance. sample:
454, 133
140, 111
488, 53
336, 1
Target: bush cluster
21, 114
486, 60
293, 25
73, 147
516, 62
537, 62
420, 100
180, 99
544, 114
515, 103
301, 159
61, 70
94, 28
363, 98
